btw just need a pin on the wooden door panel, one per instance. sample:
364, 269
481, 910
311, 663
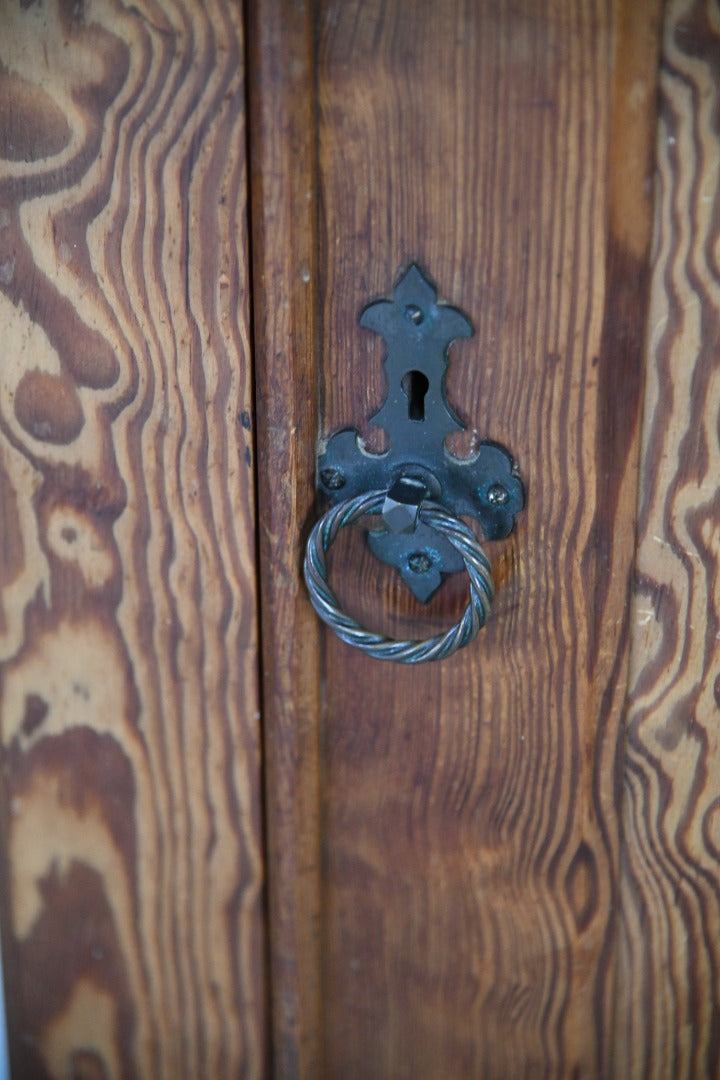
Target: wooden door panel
464, 866
131, 836
669, 955
470, 819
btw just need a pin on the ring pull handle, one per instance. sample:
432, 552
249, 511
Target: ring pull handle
421, 489
326, 604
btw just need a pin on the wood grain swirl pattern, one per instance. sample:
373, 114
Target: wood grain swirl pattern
132, 871
668, 988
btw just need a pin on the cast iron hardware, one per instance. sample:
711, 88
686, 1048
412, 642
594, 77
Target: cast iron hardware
417, 485
444, 526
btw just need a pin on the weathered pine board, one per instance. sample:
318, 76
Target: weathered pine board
131, 837
470, 817
668, 987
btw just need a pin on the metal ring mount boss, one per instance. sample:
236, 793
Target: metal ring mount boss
420, 489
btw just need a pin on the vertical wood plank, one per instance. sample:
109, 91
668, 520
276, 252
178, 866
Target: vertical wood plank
284, 240
668, 988
130, 795
470, 807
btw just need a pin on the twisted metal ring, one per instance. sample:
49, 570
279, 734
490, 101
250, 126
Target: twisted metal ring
326, 604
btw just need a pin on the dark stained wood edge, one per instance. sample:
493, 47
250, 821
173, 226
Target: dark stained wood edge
283, 198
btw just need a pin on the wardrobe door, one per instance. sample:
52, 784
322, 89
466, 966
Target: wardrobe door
444, 839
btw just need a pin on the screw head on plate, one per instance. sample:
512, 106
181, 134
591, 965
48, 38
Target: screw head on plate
497, 495
334, 479
419, 562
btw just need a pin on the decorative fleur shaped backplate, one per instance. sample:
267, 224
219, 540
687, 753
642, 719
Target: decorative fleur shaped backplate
418, 331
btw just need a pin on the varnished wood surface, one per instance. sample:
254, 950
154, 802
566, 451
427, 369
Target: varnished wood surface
444, 843
668, 987
131, 853
470, 812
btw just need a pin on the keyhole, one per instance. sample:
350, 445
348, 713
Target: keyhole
415, 386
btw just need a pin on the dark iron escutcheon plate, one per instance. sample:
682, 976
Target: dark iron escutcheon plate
418, 332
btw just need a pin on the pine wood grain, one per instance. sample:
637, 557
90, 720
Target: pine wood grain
470, 815
668, 989
131, 848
